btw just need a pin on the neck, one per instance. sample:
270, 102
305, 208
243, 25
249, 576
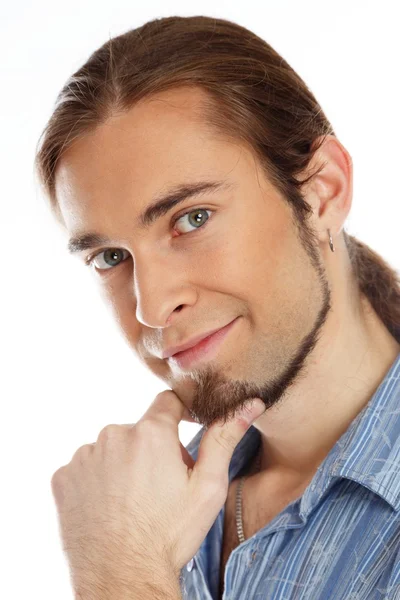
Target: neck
342, 376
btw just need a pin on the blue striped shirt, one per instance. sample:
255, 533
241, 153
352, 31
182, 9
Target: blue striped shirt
340, 540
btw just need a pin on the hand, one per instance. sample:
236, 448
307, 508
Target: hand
135, 501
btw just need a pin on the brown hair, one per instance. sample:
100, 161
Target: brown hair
253, 95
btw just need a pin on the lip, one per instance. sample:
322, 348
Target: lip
193, 342
205, 348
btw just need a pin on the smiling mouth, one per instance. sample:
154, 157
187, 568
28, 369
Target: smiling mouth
205, 349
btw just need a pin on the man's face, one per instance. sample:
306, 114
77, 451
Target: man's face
240, 258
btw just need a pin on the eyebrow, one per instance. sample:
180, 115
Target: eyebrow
157, 209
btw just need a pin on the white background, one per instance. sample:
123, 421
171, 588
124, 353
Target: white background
66, 370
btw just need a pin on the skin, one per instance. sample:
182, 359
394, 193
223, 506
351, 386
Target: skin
306, 343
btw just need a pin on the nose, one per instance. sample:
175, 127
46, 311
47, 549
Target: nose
162, 291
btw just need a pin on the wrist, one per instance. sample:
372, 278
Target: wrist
152, 587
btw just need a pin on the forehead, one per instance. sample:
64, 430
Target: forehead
160, 142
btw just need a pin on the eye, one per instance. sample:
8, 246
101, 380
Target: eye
111, 255
196, 218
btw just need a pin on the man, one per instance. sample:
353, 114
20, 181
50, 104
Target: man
320, 510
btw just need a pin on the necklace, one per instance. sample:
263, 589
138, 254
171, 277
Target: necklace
239, 518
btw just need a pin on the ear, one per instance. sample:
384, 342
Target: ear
330, 192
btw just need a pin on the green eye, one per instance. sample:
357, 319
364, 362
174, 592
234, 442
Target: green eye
112, 257
197, 218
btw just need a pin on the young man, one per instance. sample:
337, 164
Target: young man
318, 513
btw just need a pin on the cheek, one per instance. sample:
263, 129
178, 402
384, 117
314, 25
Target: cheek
122, 305
249, 261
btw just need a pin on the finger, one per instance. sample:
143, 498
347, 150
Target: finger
168, 405
220, 440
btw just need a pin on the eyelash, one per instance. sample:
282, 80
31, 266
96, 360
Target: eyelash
89, 260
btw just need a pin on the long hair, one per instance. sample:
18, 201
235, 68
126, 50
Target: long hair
253, 96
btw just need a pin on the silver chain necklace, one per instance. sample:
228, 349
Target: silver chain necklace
239, 518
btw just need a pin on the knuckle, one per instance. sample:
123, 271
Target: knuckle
85, 450
226, 440
81, 453
58, 477
109, 432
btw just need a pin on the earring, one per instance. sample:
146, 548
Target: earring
331, 241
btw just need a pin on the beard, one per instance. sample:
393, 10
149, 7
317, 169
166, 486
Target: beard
218, 397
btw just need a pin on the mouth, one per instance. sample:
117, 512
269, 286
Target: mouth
204, 350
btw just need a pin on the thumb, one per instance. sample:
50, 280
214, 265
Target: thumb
220, 440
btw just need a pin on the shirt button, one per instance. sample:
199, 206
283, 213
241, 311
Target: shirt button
190, 564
